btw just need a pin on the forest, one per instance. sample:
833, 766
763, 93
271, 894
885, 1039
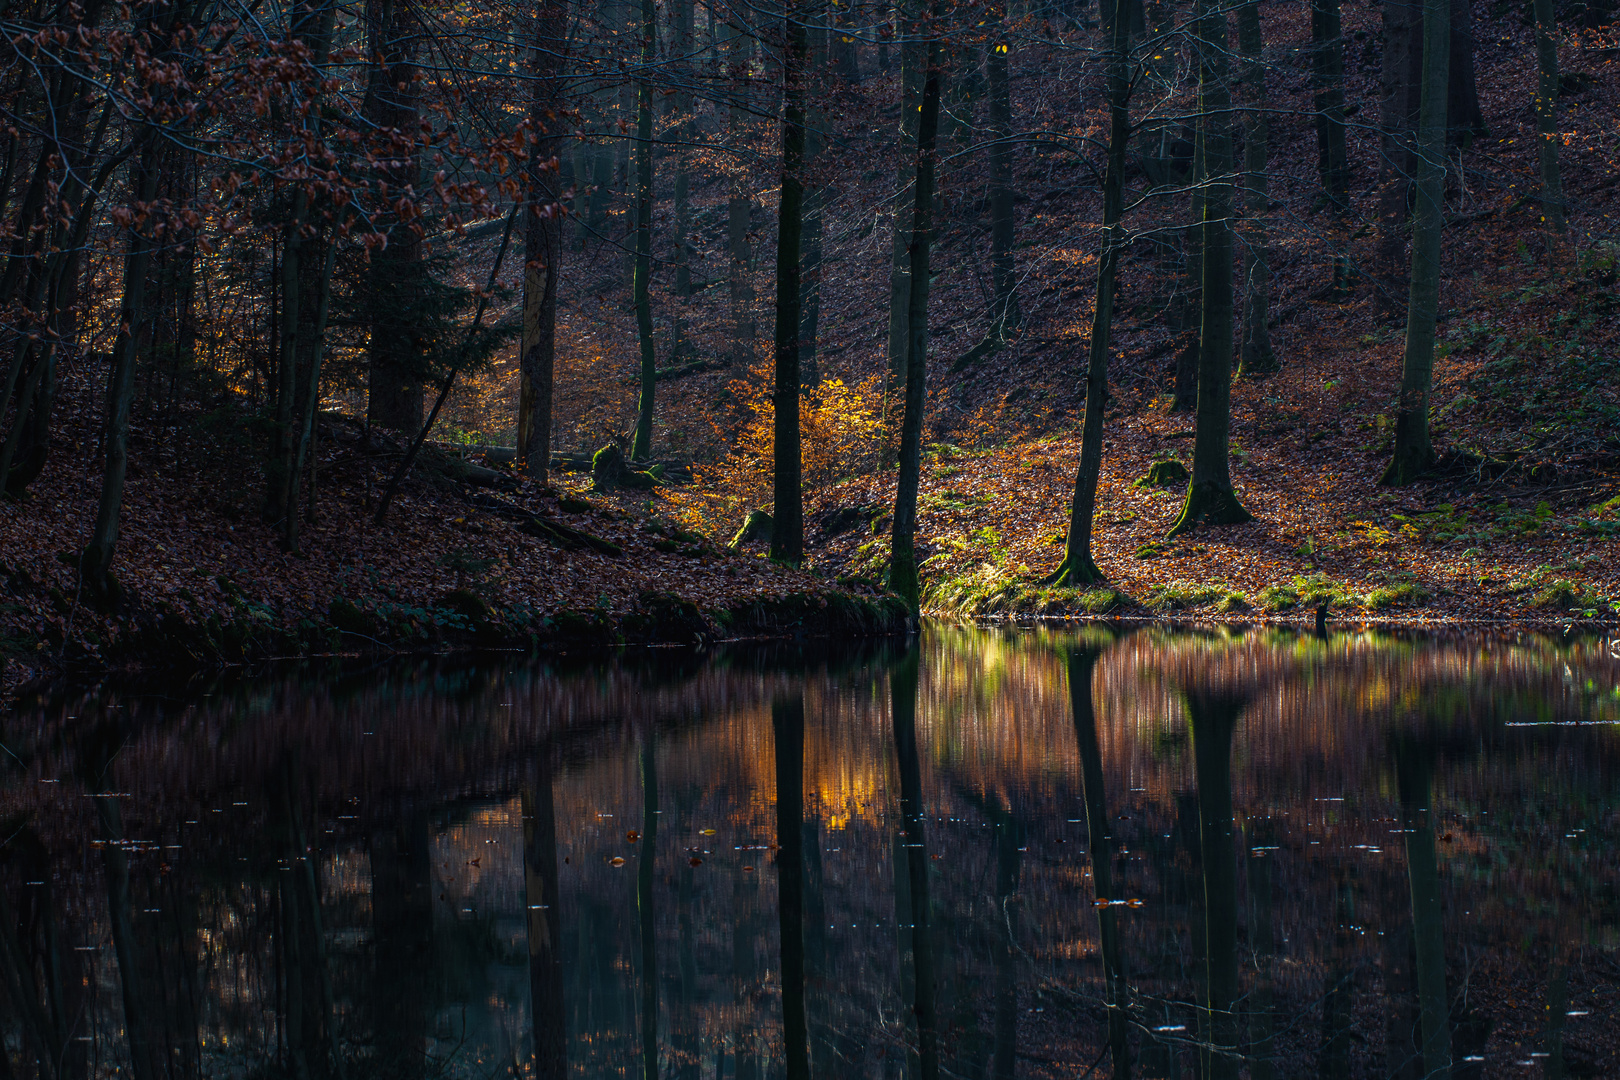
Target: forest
403, 324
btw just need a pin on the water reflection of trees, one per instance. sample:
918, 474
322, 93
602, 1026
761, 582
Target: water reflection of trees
349, 876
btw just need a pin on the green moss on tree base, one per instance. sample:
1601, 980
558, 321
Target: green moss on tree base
1209, 504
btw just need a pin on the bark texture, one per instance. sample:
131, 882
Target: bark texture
1210, 498
787, 538
641, 274
1552, 185
542, 240
903, 557
1414, 453
1078, 566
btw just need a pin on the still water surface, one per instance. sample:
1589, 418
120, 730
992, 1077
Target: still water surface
995, 853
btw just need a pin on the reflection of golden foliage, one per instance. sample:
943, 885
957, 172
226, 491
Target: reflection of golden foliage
840, 432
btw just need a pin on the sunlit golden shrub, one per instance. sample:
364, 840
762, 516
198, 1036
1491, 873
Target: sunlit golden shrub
840, 432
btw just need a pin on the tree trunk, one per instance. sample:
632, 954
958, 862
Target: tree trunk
1099, 834
641, 279
1210, 497
1414, 454
845, 48
1414, 772
903, 710
886, 12
1009, 839
1262, 940
95, 564
810, 264
745, 972
44, 1024
147, 1059
787, 721
1256, 356
35, 391
1190, 361
1214, 719
279, 472
1552, 1031
402, 933
682, 131
815, 86
1464, 119
542, 242
304, 434
602, 161
1078, 566
819, 992
681, 27
903, 558
626, 114
646, 881
1403, 1023
688, 1053
542, 901
1552, 185
913, 62
395, 397
787, 536
306, 286
1333, 1061
1400, 79
1005, 316
1327, 79
905, 940
28, 445
740, 209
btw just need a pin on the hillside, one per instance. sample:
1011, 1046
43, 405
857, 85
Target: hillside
469, 558
1519, 522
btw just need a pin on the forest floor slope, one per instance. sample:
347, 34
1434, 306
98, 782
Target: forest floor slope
1521, 521
468, 558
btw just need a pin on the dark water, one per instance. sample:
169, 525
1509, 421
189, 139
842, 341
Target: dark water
998, 854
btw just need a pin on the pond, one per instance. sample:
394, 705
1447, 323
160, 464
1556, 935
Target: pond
1027, 852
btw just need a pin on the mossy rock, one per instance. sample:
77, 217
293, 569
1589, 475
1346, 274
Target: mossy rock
1164, 474
758, 527
610, 469
845, 518
350, 619
573, 504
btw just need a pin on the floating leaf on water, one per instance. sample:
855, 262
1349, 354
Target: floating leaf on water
633, 835
617, 860
705, 832
695, 861
748, 869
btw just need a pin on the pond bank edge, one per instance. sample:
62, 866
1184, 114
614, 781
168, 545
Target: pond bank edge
174, 638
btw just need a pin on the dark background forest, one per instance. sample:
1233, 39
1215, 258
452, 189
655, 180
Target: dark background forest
316, 316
